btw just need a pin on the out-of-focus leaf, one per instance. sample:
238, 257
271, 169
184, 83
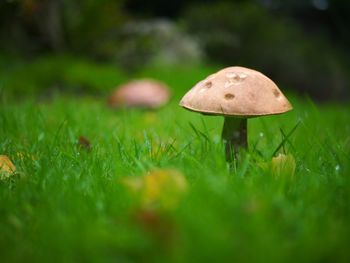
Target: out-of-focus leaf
161, 188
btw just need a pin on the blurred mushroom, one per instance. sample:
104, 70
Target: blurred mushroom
237, 93
143, 93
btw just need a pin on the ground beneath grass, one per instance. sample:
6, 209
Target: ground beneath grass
72, 203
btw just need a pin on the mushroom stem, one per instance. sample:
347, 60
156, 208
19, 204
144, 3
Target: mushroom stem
234, 135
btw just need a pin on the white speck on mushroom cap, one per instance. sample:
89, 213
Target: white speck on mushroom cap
236, 75
236, 91
234, 78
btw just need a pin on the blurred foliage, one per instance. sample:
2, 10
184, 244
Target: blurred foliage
300, 44
331, 17
79, 26
246, 34
154, 41
90, 23
47, 75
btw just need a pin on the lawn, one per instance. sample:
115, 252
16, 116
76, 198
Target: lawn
70, 203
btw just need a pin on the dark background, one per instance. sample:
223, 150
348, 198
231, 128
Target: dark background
303, 45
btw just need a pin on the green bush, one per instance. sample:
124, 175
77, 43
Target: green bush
49, 74
84, 27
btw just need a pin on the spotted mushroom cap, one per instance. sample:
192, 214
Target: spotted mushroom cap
236, 91
141, 93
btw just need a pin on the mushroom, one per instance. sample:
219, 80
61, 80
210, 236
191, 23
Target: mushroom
143, 93
237, 93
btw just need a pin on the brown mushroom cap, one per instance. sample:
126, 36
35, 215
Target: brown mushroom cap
236, 91
144, 93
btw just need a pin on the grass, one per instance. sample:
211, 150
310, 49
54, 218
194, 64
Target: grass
68, 204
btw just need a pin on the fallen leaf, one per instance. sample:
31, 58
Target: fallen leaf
84, 143
7, 168
158, 188
164, 186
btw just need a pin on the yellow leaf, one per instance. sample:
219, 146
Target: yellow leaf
7, 168
164, 188
158, 188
